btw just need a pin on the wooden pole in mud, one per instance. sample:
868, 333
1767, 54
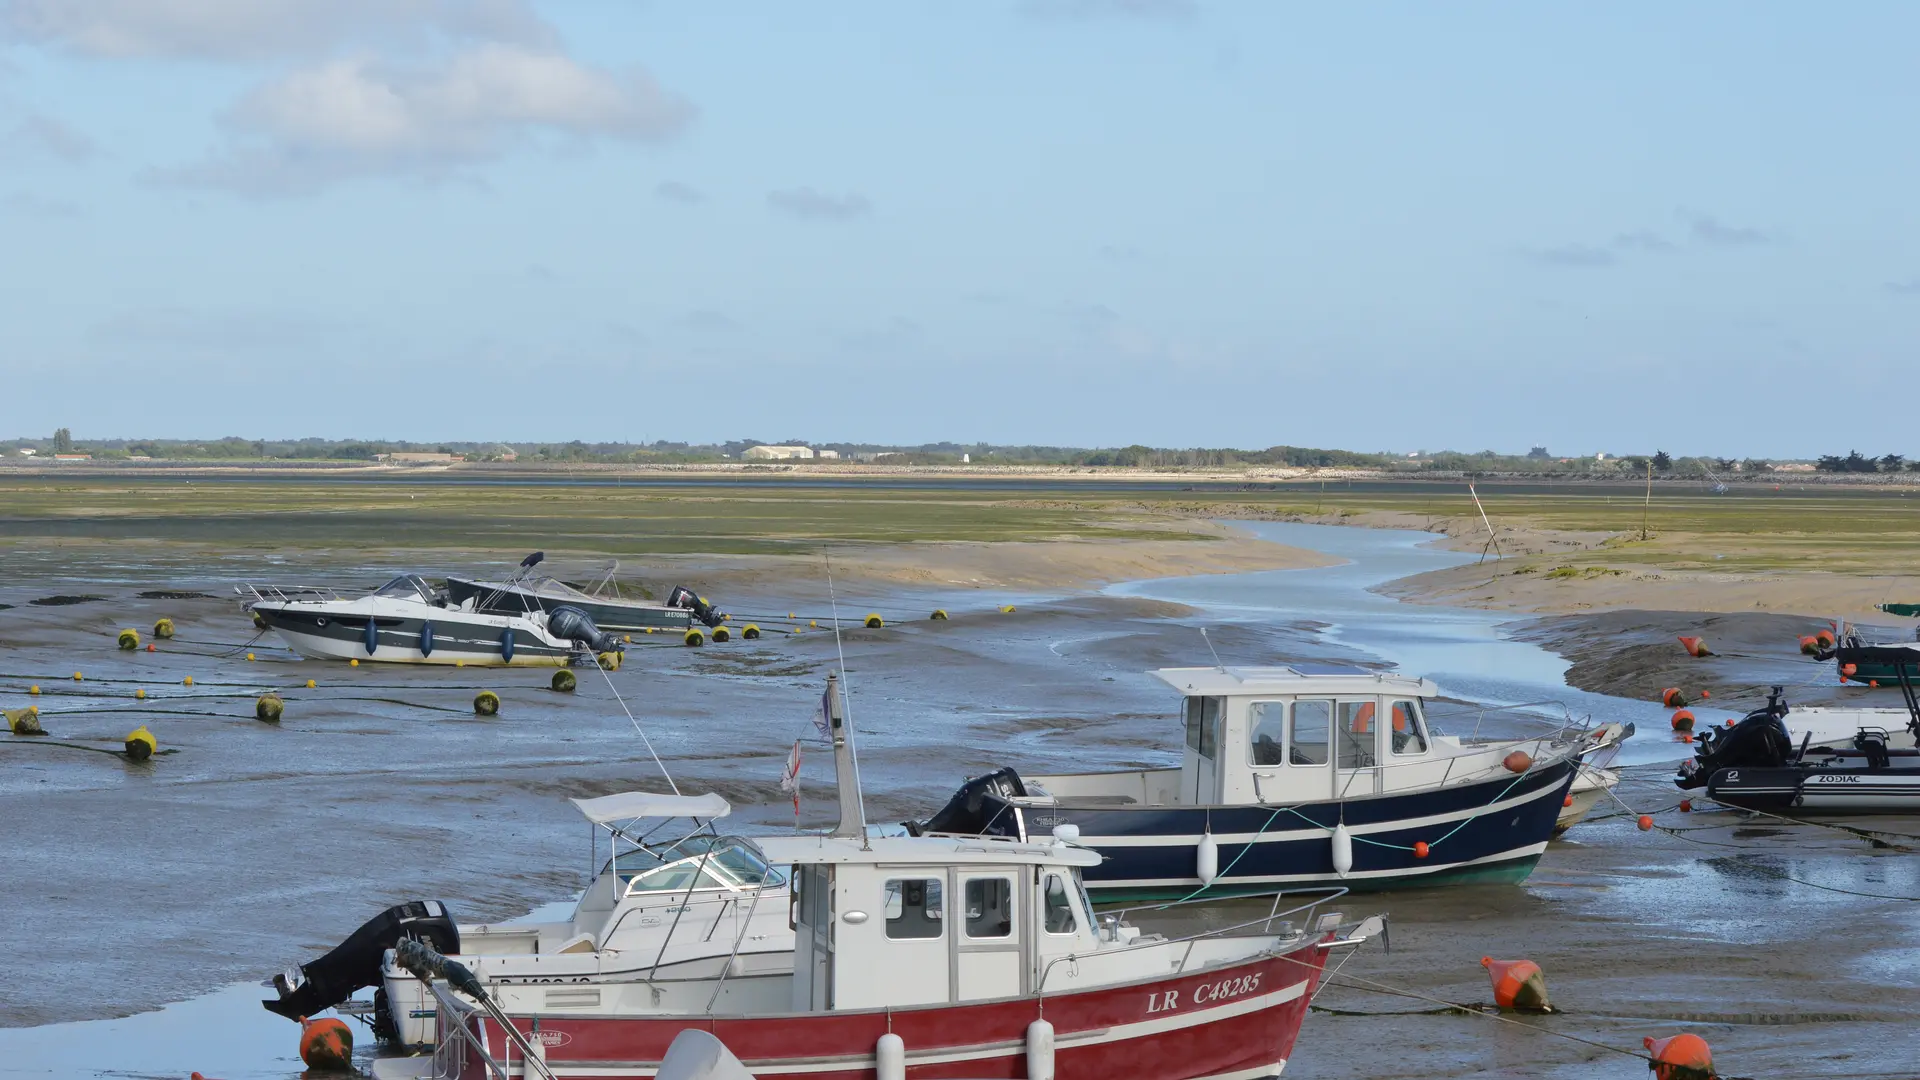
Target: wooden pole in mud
1647, 506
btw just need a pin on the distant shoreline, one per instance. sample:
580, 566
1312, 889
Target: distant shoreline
1067, 475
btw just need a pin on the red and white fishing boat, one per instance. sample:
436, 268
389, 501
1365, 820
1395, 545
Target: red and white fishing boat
922, 957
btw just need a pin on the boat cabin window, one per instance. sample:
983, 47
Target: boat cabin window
915, 908
989, 907
1312, 721
1060, 918
1267, 733
1409, 730
1203, 720
733, 859
1356, 735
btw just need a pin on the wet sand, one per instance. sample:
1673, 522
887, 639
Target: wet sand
258, 846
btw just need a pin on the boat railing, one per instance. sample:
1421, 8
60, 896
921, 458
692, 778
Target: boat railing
250, 592
457, 1036
1490, 766
1264, 923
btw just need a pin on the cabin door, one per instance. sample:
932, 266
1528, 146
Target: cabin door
1356, 737
988, 958
1200, 774
812, 918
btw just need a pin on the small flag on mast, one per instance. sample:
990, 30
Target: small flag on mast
790, 779
822, 714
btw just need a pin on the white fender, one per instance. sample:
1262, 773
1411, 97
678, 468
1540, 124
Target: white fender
890, 1058
1207, 859
1039, 1050
1342, 849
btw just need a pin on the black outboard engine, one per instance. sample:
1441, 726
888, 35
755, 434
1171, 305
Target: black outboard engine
970, 813
355, 963
1758, 741
576, 626
683, 597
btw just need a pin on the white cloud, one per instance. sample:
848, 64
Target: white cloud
258, 29
357, 116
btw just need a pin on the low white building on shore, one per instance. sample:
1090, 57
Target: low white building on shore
779, 453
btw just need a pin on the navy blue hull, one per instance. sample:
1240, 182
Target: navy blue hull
1492, 830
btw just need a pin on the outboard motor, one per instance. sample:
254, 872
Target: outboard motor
1759, 740
683, 597
576, 626
970, 813
355, 962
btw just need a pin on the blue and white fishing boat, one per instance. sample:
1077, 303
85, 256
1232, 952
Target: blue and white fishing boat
1290, 779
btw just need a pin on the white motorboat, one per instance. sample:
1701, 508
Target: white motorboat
661, 908
408, 621
1597, 775
529, 591
675, 899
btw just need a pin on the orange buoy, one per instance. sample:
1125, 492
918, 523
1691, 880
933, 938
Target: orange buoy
1420, 849
1683, 720
1695, 646
1849, 669
149, 646
326, 1043
1824, 637
1672, 698
1809, 644
1682, 1057
1873, 684
1686, 806
1705, 694
1646, 822
1517, 984
1686, 736
1568, 801
1519, 761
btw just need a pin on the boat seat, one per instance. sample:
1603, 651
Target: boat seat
579, 943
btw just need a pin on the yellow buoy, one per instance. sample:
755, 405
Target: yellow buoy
141, 694
486, 703
188, 681
34, 690
720, 633
24, 721
611, 660
750, 632
459, 663
627, 638
268, 708
163, 629
129, 639
874, 621
939, 615
1008, 610
695, 638
309, 684
813, 624
76, 676
564, 682
249, 656
141, 744
354, 662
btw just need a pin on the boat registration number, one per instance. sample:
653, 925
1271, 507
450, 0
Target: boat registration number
1205, 993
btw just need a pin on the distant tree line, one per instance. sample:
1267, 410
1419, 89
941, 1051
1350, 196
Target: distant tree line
1537, 461
1856, 462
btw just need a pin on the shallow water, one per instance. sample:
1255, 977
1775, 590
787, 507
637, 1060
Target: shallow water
1467, 651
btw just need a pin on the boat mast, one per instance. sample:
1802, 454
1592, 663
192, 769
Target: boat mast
846, 771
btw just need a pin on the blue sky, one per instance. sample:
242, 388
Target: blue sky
1085, 222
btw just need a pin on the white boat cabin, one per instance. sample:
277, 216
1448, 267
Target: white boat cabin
1282, 735
923, 920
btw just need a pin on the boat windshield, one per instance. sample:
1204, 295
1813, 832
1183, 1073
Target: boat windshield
729, 862
407, 587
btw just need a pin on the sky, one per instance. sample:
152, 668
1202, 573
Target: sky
1396, 226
